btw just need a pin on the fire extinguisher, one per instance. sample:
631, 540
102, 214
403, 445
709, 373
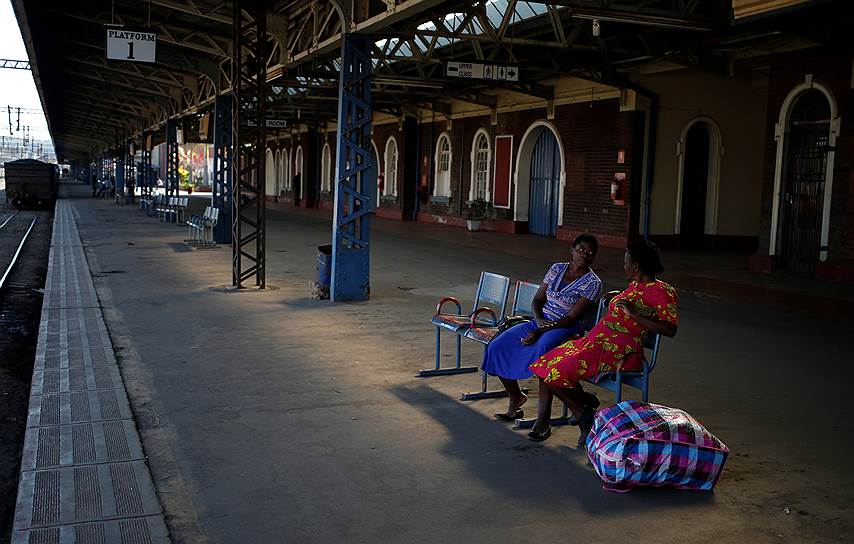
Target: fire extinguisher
618, 188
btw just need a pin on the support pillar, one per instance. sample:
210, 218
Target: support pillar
355, 175
248, 237
130, 171
221, 187
144, 177
172, 157
120, 154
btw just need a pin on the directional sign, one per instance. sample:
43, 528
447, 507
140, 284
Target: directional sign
123, 44
475, 70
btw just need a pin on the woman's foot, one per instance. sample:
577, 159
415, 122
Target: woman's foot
504, 416
514, 408
538, 436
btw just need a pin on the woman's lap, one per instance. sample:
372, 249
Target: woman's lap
507, 357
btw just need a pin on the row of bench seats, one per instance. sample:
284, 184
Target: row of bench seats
166, 208
200, 227
483, 323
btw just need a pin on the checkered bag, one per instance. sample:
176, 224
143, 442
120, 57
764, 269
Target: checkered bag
636, 444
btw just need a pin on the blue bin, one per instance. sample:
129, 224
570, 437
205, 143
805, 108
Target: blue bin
324, 265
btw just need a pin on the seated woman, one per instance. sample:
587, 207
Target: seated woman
566, 293
616, 341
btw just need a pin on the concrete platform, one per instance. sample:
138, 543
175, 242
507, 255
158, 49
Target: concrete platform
270, 417
83, 473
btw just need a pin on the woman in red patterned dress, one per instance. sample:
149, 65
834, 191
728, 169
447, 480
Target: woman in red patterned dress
616, 341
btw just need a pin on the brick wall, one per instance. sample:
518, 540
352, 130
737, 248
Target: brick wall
591, 135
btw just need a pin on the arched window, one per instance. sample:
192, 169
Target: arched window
481, 155
277, 164
270, 173
442, 185
326, 169
390, 186
298, 170
286, 169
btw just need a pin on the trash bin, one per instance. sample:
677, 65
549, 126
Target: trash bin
324, 265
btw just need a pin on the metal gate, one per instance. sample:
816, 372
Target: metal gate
802, 191
545, 185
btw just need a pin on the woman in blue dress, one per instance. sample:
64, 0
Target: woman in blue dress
568, 291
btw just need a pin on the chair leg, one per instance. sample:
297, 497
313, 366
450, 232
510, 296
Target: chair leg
438, 346
484, 393
439, 371
459, 348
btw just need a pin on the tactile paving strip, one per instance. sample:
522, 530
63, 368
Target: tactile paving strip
83, 472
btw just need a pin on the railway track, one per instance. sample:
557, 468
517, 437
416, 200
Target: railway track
24, 249
23, 240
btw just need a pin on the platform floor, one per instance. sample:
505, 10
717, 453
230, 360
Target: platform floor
83, 472
270, 417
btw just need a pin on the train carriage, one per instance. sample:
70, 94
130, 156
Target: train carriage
31, 183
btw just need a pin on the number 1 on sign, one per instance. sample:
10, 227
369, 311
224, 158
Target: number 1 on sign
130, 50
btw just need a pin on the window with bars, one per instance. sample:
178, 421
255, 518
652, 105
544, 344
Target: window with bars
390, 184
443, 167
480, 182
326, 169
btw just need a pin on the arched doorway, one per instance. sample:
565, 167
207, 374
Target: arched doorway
698, 180
695, 183
545, 185
802, 188
526, 167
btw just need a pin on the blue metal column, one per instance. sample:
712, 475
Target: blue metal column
221, 189
145, 166
172, 157
130, 172
120, 154
355, 175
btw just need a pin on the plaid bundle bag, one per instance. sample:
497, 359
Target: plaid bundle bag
638, 444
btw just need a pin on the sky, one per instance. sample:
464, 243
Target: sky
17, 87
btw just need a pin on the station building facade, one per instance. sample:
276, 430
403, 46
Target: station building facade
757, 161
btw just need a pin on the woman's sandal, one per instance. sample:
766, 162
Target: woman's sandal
585, 424
539, 437
504, 416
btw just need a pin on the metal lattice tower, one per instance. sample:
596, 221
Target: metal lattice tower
145, 170
221, 196
249, 135
355, 175
172, 157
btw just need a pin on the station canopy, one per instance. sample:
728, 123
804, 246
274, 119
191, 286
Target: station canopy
92, 102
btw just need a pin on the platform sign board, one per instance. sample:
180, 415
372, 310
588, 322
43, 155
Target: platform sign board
277, 123
476, 70
131, 45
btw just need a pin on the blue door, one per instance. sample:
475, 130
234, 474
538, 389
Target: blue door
545, 186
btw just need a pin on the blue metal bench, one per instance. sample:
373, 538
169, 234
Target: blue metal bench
492, 289
614, 381
523, 300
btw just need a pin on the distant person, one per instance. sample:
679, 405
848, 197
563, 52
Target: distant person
94, 184
297, 181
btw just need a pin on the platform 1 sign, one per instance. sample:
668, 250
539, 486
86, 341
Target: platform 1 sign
132, 45
476, 70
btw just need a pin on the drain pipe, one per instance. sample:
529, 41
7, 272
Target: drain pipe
651, 137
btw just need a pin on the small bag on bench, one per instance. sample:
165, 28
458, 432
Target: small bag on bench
635, 444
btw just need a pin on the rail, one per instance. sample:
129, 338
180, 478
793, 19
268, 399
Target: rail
17, 251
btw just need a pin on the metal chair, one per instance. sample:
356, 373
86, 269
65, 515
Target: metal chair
492, 289
523, 300
614, 381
